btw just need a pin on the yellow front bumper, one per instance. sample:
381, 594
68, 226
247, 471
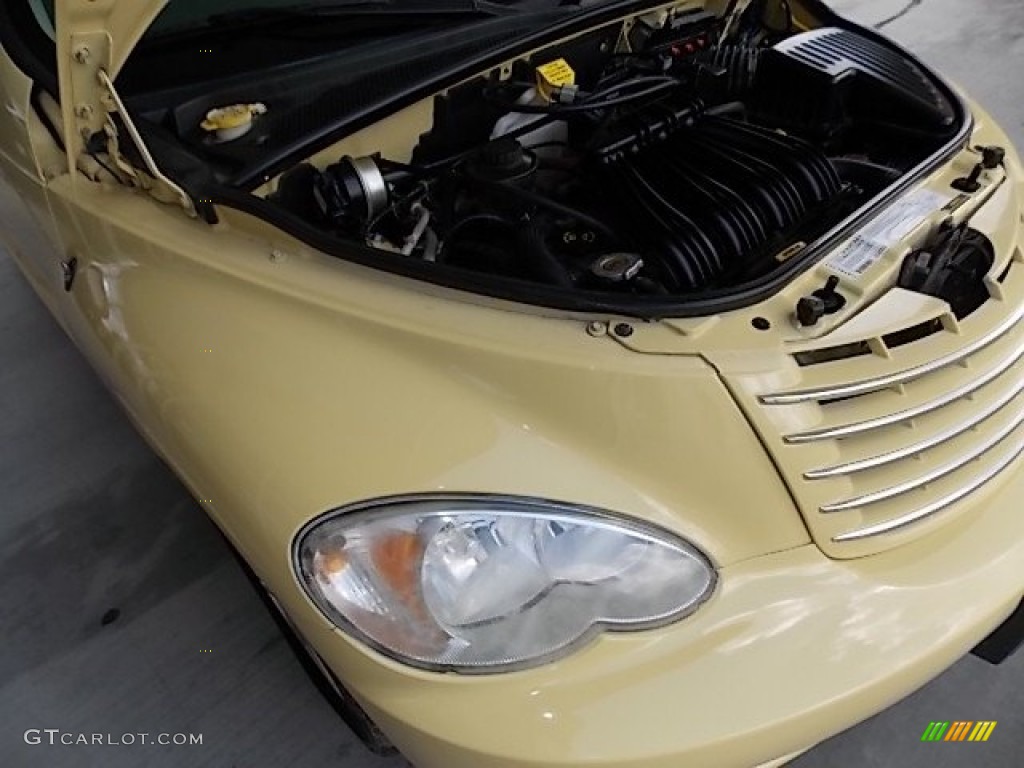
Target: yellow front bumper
793, 648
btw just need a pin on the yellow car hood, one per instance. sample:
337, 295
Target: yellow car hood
123, 21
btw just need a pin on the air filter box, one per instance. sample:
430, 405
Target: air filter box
823, 79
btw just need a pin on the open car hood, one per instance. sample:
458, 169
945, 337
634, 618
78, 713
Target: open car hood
123, 22
94, 40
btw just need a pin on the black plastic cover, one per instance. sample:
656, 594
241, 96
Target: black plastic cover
952, 268
1005, 641
825, 76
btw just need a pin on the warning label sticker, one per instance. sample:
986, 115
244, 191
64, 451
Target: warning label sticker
870, 244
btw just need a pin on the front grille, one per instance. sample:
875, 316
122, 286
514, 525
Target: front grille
881, 448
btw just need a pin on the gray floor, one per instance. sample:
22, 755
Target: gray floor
92, 522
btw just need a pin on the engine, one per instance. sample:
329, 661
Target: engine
679, 162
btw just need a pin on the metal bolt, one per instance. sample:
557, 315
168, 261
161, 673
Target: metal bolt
597, 329
623, 330
277, 256
82, 54
83, 111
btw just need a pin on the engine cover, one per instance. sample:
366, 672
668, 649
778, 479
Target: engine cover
715, 197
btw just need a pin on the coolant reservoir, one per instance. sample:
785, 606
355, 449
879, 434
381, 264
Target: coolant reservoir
550, 76
557, 131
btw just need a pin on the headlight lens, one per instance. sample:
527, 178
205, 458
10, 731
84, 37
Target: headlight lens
484, 583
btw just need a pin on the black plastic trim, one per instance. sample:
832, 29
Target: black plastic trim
1005, 641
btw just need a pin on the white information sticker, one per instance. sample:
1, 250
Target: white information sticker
870, 244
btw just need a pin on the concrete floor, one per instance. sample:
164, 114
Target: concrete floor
92, 522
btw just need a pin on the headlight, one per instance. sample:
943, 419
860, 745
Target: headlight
479, 583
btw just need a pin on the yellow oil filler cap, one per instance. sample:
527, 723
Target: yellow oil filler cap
552, 76
230, 123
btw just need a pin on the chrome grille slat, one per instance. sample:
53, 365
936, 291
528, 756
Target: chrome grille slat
919, 515
874, 462
881, 449
856, 428
876, 384
933, 476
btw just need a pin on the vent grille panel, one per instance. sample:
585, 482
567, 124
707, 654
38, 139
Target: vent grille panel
880, 449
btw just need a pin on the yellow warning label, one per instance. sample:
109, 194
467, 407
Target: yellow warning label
555, 74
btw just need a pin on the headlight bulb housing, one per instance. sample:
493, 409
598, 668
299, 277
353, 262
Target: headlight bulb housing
490, 583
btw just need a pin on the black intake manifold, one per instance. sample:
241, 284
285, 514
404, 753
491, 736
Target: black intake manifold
715, 198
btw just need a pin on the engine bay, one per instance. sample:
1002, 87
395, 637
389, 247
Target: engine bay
682, 156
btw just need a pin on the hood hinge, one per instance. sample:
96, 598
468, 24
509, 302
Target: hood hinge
152, 179
90, 123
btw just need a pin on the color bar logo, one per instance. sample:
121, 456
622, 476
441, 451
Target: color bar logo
959, 731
